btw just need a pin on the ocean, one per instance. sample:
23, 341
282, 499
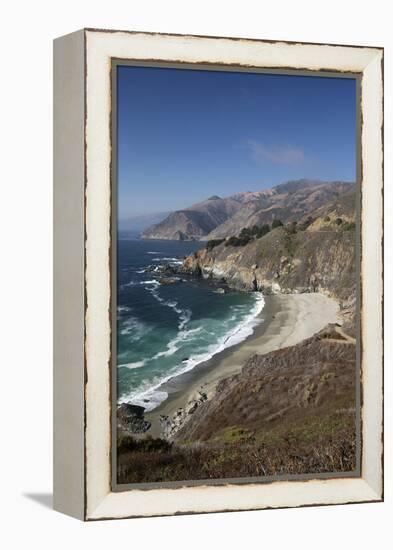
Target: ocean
165, 330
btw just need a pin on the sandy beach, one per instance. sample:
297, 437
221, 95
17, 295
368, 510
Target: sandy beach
285, 320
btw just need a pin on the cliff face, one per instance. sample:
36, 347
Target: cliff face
219, 217
285, 262
308, 261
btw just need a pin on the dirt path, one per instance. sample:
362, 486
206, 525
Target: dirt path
346, 338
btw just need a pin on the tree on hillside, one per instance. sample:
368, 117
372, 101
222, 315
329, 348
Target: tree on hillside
213, 243
291, 228
306, 223
245, 232
263, 230
277, 223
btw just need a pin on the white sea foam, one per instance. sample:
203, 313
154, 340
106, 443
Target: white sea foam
149, 398
136, 365
154, 253
141, 271
150, 395
130, 283
184, 314
123, 309
173, 346
133, 328
168, 260
137, 283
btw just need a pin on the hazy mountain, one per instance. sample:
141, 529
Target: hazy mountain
196, 221
137, 224
218, 217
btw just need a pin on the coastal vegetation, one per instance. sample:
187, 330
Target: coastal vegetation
291, 411
248, 234
283, 454
214, 242
255, 232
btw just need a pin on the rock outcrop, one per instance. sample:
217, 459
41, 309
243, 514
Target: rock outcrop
171, 425
284, 262
131, 420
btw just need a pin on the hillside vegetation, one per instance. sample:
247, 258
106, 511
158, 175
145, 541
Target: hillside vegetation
291, 411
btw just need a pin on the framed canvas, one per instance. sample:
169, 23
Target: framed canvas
218, 267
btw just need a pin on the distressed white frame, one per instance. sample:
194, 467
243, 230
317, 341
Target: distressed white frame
100, 47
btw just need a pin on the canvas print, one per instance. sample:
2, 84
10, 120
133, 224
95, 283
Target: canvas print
236, 275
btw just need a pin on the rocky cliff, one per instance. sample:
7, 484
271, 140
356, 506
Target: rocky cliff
286, 261
307, 261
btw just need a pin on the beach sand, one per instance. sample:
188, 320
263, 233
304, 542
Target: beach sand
285, 320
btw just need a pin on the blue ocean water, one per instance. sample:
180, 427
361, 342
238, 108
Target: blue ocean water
164, 330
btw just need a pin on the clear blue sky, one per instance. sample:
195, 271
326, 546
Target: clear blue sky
184, 135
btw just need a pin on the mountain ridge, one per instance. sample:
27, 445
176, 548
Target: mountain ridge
218, 217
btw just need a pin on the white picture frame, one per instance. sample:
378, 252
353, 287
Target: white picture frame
82, 258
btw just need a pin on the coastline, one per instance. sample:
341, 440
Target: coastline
285, 320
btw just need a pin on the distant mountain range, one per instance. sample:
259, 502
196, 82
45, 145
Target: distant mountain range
137, 224
218, 217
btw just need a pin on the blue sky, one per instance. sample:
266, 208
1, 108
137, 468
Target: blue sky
184, 135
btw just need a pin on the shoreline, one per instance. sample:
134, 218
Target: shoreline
286, 320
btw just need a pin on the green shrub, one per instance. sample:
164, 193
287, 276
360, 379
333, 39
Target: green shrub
242, 241
263, 230
213, 243
291, 228
303, 226
339, 221
128, 443
277, 223
237, 241
246, 233
232, 241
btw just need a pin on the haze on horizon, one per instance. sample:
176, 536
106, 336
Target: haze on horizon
184, 135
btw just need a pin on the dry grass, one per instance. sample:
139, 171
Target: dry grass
291, 411
243, 458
